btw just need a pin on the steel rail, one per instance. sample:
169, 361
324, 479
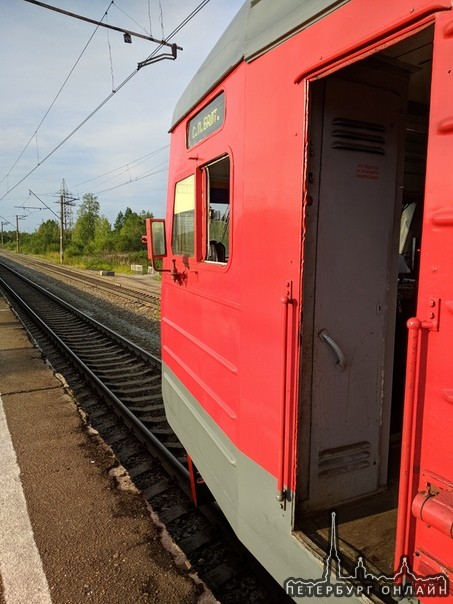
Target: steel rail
235, 564
100, 326
151, 298
142, 432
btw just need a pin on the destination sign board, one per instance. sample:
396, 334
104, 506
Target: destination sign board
207, 121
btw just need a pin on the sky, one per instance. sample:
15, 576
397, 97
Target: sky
55, 73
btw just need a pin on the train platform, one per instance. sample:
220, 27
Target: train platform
68, 533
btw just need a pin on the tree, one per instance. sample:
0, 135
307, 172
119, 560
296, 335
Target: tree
85, 226
103, 240
118, 222
46, 238
131, 231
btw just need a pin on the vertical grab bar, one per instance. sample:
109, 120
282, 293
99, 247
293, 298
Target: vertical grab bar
286, 300
414, 326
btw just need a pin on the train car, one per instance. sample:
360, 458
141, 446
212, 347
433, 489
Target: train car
307, 291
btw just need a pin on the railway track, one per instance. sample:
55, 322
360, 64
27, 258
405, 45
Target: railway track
117, 385
149, 298
138, 322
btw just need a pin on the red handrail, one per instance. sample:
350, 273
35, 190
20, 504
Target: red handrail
414, 326
286, 301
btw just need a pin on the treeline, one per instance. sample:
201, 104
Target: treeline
92, 233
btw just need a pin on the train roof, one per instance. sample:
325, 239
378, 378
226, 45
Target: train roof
258, 26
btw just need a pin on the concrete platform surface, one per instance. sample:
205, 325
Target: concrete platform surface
68, 534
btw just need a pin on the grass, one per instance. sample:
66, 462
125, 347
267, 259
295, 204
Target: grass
117, 262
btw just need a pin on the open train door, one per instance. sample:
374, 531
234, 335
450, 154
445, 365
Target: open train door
350, 278
425, 510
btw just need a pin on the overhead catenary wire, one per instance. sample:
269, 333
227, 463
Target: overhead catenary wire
135, 162
107, 99
111, 59
37, 147
35, 133
150, 33
6, 221
98, 23
128, 182
76, 129
176, 30
161, 16
149, 17
114, 175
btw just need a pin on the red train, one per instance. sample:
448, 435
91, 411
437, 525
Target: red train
307, 294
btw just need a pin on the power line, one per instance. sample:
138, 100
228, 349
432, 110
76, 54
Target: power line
132, 19
5, 221
111, 60
161, 17
149, 17
128, 182
188, 18
76, 129
126, 170
133, 163
50, 209
174, 32
35, 133
123, 83
99, 23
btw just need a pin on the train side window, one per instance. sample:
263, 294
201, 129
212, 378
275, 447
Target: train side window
183, 240
218, 210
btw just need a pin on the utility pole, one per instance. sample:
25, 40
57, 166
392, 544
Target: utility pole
18, 217
61, 226
4, 221
67, 202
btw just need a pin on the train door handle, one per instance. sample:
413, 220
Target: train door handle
341, 359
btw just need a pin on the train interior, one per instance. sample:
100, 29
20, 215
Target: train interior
352, 464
